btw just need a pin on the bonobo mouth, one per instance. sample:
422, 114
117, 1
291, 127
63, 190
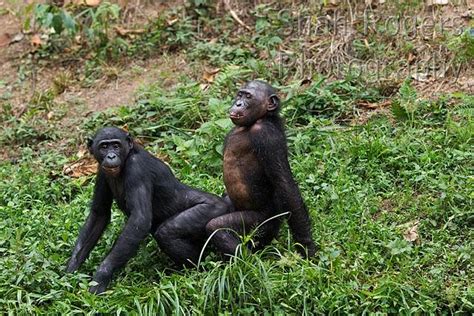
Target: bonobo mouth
236, 116
113, 171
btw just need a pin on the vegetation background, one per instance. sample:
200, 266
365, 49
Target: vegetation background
378, 101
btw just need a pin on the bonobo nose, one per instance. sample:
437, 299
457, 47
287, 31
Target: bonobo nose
238, 103
111, 156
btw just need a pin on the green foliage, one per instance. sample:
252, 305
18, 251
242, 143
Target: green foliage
34, 125
91, 26
334, 100
463, 46
59, 20
368, 186
405, 106
365, 186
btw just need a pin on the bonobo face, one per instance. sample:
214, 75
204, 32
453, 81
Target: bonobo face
253, 102
110, 148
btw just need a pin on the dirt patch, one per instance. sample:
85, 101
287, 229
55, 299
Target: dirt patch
386, 206
122, 89
22, 75
11, 53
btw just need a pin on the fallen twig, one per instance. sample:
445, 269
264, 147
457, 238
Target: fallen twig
235, 16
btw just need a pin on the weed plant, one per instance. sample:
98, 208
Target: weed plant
365, 186
391, 200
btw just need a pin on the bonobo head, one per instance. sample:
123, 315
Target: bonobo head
254, 100
110, 147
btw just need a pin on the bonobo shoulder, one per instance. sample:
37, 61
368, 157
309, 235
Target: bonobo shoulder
137, 160
264, 127
265, 134
260, 126
133, 158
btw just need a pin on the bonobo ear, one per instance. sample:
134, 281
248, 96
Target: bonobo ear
274, 102
129, 141
90, 142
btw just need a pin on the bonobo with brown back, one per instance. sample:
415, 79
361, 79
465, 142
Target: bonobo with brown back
257, 175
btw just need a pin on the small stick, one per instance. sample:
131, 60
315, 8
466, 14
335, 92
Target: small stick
235, 16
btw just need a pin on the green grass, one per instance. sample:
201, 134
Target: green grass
364, 186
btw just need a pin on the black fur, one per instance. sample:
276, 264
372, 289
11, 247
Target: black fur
257, 175
154, 201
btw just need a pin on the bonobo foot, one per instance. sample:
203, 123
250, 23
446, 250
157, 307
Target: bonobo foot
102, 278
307, 250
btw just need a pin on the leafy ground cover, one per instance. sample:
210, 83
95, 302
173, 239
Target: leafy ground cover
386, 172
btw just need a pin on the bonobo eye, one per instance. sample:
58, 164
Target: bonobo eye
248, 95
116, 146
103, 146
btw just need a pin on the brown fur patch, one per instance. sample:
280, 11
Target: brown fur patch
239, 164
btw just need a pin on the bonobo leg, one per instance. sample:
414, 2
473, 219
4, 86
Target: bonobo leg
227, 200
226, 240
182, 236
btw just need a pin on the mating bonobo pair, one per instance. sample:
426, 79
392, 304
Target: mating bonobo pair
257, 178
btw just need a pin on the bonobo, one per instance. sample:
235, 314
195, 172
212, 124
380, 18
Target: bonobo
154, 201
257, 175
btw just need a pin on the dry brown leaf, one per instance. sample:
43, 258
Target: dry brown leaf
204, 86
172, 21
93, 3
437, 2
50, 115
17, 38
4, 39
85, 166
36, 40
90, 3
422, 77
411, 234
210, 74
263, 54
369, 105
82, 152
124, 32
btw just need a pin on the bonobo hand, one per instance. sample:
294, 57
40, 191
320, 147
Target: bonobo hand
103, 278
72, 265
307, 250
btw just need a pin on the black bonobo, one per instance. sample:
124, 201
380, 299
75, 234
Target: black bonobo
257, 175
154, 201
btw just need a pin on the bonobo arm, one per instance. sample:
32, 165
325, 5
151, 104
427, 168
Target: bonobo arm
94, 226
272, 152
138, 203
